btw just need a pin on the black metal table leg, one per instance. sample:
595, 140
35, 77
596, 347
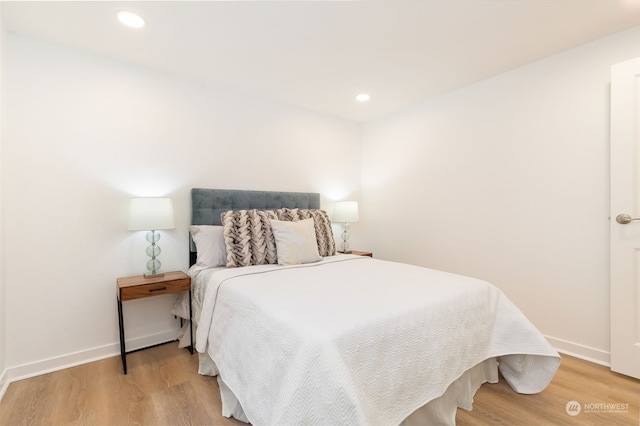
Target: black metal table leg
123, 351
190, 325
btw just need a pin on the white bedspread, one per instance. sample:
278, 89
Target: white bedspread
354, 340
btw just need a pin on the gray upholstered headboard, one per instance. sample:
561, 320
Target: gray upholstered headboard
208, 204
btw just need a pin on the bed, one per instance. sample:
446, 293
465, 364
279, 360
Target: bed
325, 338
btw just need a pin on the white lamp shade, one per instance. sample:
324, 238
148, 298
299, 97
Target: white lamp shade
151, 214
346, 212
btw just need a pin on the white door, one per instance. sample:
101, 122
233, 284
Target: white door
625, 230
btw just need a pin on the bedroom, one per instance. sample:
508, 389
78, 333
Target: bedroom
82, 133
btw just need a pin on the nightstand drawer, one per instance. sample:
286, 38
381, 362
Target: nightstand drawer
138, 287
157, 289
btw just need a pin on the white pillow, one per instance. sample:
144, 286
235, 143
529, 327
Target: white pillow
295, 242
212, 250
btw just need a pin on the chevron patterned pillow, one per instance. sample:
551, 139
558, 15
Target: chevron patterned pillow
248, 236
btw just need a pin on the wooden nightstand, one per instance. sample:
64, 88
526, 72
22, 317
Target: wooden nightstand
130, 288
361, 253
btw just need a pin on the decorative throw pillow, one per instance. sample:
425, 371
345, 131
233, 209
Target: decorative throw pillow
295, 241
248, 237
209, 241
321, 223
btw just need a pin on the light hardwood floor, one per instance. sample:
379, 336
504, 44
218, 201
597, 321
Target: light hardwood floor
163, 388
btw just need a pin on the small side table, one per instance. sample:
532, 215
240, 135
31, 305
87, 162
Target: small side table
361, 253
137, 287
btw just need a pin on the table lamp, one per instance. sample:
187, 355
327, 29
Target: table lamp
152, 214
345, 212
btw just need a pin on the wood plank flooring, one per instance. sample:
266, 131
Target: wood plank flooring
576, 380
163, 388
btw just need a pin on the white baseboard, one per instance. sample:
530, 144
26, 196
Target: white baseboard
49, 365
4, 383
576, 350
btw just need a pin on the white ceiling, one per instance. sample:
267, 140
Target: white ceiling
320, 54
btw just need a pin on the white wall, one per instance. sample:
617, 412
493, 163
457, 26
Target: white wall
508, 180
83, 135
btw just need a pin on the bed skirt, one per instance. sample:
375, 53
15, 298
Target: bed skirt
439, 411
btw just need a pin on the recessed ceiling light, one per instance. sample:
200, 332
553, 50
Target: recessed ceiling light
130, 19
363, 97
